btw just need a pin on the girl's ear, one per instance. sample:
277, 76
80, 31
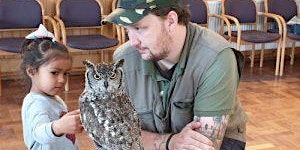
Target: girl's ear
30, 71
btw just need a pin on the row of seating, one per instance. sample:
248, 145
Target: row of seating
26, 15
245, 12
276, 13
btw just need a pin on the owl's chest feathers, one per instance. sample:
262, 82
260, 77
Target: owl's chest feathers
103, 97
112, 103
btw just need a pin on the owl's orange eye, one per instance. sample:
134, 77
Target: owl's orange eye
96, 76
113, 76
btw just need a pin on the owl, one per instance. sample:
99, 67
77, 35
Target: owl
106, 112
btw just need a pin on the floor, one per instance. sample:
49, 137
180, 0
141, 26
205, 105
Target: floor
272, 104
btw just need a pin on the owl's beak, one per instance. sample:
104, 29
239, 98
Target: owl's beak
105, 84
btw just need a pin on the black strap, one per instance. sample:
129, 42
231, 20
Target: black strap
240, 61
32, 145
168, 140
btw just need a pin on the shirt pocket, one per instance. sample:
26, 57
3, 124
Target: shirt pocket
147, 121
182, 112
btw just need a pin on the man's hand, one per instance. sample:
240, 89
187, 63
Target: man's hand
189, 139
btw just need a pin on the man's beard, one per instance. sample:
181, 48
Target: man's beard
164, 45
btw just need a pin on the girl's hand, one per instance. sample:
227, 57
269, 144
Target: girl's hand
68, 124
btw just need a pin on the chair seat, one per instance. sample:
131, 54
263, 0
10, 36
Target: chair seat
255, 36
275, 30
290, 35
293, 36
90, 42
290, 29
12, 45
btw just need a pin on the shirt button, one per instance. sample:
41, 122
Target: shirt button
161, 93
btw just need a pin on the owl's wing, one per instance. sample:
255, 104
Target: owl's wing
91, 122
130, 124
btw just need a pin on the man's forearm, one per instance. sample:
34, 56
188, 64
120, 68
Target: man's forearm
154, 141
213, 128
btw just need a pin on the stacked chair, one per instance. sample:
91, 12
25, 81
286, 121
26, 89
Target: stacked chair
242, 12
17, 19
286, 10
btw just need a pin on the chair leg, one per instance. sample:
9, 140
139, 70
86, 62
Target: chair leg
67, 83
0, 86
292, 53
278, 58
262, 55
101, 56
282, 58
0, 82
252, 55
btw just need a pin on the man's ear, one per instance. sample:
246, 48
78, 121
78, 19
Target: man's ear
171, 21
30, 71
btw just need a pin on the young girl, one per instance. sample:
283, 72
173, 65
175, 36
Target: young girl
47, 124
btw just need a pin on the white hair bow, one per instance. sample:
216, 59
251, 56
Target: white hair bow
41, 32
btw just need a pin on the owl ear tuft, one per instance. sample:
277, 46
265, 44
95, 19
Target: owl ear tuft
88, 64
119, 63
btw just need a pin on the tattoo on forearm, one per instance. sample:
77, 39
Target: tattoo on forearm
160, 142
213, 128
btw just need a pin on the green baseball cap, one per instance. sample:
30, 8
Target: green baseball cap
131, 11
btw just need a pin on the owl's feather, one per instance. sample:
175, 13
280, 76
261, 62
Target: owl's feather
106, 111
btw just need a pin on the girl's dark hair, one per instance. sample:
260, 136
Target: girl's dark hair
181, 9
40, 51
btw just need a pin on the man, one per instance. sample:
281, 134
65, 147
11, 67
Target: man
181, 78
